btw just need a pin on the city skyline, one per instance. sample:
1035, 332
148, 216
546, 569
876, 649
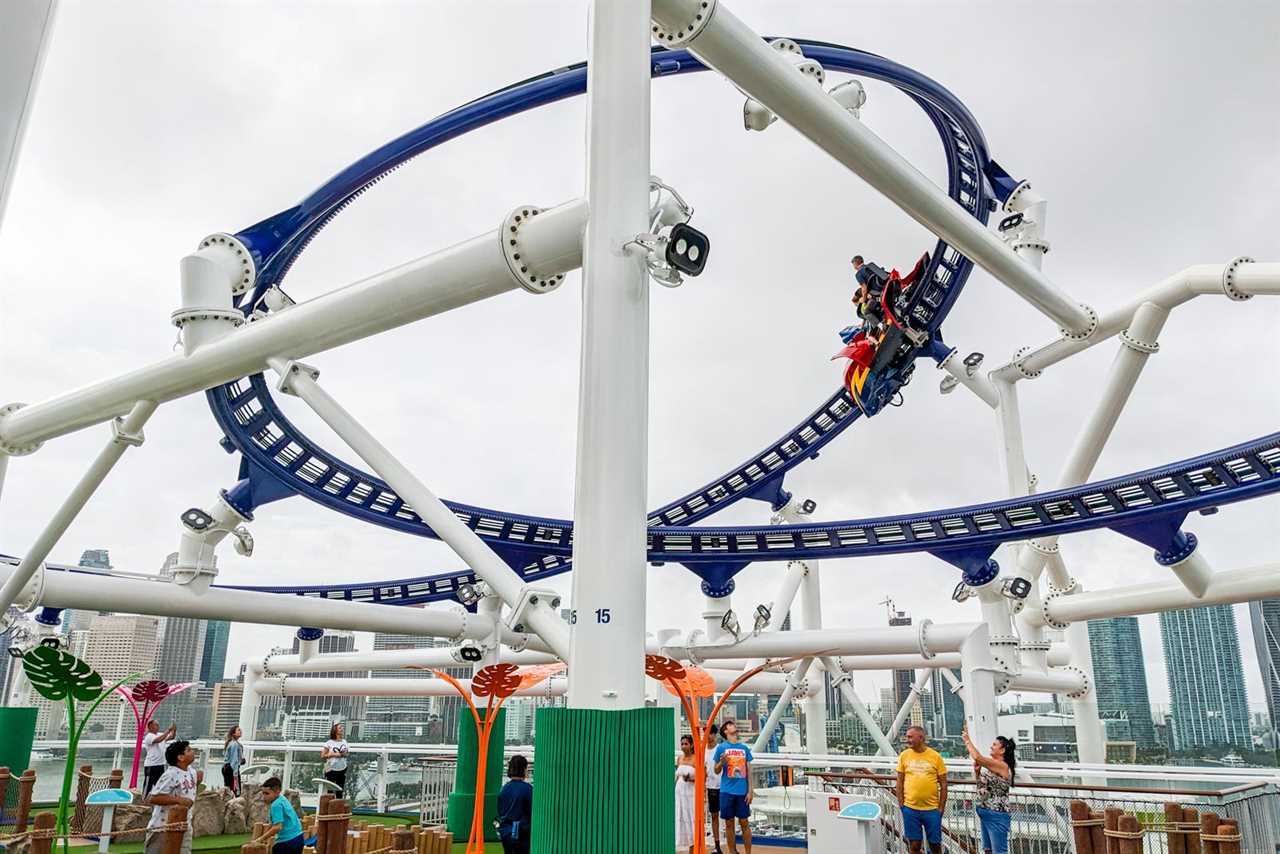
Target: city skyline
1120, 676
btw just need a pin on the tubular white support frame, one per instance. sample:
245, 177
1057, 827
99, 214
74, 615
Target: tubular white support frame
92, 592
1227, 587
1013, 455
1246, 280
125, 433
784, 699
611, 488
556, 686
453, 277
815, 708
729, 46
1139, 342
846, 688
1090, 736
938, 637
299, 380
977, 672
713, 616
25, 44
1058, 655
392, 659
197, 561
1066, 681
910, 700
1195, 573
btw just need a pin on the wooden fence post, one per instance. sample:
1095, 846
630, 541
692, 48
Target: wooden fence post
5, 777
1129, 824
1080, 833
1112, 816
1209, 827
173, 838
26, 789
1229, 827
336, 837
1192, 818
402, 838
42, 838
1175, 839
115, 779
1095, 831
322, 826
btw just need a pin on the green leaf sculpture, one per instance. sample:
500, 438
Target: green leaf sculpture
60, 676
56, 675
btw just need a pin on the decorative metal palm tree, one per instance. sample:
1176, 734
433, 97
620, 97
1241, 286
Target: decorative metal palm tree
150, 693
497, 682
60, 676
690, 683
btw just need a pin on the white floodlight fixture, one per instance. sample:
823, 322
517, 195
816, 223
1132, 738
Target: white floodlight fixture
961, 593
244, 541
971, 362
729, 622
469, 652
1015, 588
763, 617
948, 384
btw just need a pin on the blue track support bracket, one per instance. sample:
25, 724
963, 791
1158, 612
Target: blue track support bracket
1002, 183
717, 578
1162, 533
771, 490
49, 616
256, 487
937, 348
976, 564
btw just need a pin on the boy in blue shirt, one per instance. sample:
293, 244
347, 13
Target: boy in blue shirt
515, 808
284, 821
733, 764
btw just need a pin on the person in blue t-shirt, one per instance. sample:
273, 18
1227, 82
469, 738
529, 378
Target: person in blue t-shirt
284, 821
515, 808
733, 764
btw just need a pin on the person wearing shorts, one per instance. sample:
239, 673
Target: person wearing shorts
733, 764
713, 789
922, 792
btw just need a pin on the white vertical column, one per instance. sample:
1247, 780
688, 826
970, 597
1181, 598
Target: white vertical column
611, 491
815, 705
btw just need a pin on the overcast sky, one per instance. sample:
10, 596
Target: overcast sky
1150, 128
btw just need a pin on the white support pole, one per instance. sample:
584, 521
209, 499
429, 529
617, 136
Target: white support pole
249, 701
1066, 681
4, 469
978, 672
784, 699
892, 640
538, 615
1139, 342
83, 591
1228, 587
845, 684
387, 687
729, 46
1090, 736
551, 243
611, 488
393, 659
908, 702
124, 433
815, 708
1013, 455
24, 44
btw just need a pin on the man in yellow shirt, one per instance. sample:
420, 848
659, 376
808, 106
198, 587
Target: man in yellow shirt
922, 792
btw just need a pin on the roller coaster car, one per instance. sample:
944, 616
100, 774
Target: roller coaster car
876, 371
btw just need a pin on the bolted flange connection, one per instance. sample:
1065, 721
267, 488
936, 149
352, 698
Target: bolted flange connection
1084, 682
1018, 365
16, 450
1229, 278
1088, 330
243, 257
685, 31
517, 263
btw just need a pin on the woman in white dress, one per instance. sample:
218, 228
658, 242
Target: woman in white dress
686, 775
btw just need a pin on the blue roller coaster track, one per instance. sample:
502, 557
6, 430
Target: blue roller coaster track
279, 461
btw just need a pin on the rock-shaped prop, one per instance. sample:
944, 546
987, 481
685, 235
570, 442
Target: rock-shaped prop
207, 814
235, 817
132, 817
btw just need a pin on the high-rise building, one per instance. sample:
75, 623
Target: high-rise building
180, 650
226, 706
1264, 615
903, 680
1120, 679
948, 708
120, 645
213, 659
1206, 678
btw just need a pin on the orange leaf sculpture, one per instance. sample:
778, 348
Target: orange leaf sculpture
531, 676
660, 667
496, 680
